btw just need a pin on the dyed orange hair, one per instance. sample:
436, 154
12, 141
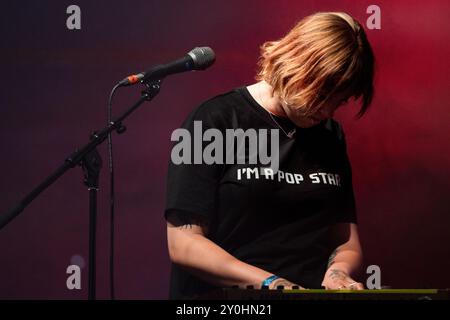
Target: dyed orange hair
324, 54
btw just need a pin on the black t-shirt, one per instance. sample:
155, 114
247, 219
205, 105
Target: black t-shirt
281, 223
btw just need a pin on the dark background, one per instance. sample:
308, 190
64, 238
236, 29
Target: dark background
54, 89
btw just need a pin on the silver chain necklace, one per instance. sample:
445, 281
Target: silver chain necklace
289, 134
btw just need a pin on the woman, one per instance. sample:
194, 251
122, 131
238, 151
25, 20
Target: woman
226, 229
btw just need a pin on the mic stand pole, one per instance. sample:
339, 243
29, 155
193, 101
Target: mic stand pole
89, 159
91, 164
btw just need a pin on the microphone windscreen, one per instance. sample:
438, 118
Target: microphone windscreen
203, 57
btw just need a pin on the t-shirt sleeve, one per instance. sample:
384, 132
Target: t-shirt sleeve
348, 207
192, 186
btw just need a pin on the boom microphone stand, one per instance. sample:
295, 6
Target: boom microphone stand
90, 161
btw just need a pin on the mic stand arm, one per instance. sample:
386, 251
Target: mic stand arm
89, 159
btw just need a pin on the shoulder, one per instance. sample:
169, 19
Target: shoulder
336, 129
218, 110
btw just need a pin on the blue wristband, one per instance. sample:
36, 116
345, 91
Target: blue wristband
269, 280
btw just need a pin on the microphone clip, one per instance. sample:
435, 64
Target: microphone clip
151, 89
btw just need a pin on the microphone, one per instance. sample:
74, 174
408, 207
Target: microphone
198, 58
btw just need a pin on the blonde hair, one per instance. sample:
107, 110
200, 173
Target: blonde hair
324, 54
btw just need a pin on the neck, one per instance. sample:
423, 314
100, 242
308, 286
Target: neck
262, 93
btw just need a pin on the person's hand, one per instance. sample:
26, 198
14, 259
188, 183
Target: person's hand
336, 279
285, 283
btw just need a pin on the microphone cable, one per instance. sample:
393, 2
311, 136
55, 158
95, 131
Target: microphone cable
111, 195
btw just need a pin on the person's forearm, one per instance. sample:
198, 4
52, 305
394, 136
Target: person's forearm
213, 264
346, 258
345, 261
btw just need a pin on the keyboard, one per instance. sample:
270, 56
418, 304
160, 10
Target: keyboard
320, 294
